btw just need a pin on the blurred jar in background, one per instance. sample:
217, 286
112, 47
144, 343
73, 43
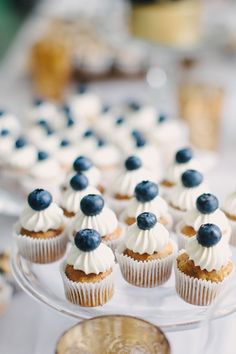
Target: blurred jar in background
200, 99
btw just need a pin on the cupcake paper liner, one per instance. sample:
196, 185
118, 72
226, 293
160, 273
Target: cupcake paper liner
145, 274
41, 250
88, 294
197, 291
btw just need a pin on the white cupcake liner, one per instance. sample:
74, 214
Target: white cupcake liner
145, 274
88, 294
197, 291
6, 292
41, 250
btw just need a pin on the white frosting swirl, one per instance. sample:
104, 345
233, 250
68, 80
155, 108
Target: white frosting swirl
44, 220
23, 158
46, 169
185, 198
195, 219
93, 174
143, 119
149, 156
97, 261
105, 222
229, 205
157, 206
170, 131
175, 170
209, 258
10, 122
70, 199
146, 241
126, 182
46, 110
66, 156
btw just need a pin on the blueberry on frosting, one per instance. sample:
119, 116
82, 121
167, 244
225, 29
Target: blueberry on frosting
140, 142
207, 203
208, 235
82, 164
184, 155
64, 142
92, 204
87, 240
20, 143
191, 178
88, 133
49, 130
38, 102
5, 132
133, 163
146, 191
136, 134
39, 199
134, 105
42, 155
161, 118
101, 142
79, 182
120, 120
146, 221
42, 122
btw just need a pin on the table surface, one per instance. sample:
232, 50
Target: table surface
32, 328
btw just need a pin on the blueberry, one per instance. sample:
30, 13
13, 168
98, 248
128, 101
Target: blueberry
49, 130
106, 108
101, 142
207, 203
191, 178
70, 122
87, 240
146, 191
140, 142
39, 199
64, 142
208, 235
82, 88
82, 164
88, 133
5, 132
134, 105
161, 118
92, 204
66, 109
42, 155
79, 182
146, 221
20, 143
133, 163
2, 112
42, 122
184, 155
38, 102
120, 121
136, 134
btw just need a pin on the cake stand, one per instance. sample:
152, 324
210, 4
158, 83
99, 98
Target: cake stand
161, 305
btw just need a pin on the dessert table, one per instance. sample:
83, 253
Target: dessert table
30, 327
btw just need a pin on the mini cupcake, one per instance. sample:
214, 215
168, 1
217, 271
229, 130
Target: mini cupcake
22, 157
84, 165
203, 268
146, 199
46, 173
229, 208
183, 161
6, 146
205, 211
40, 235
71, 197
146, 255
66, 154
122, 190
85, 104
10, 122
95, 215
184, 194
87, 273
